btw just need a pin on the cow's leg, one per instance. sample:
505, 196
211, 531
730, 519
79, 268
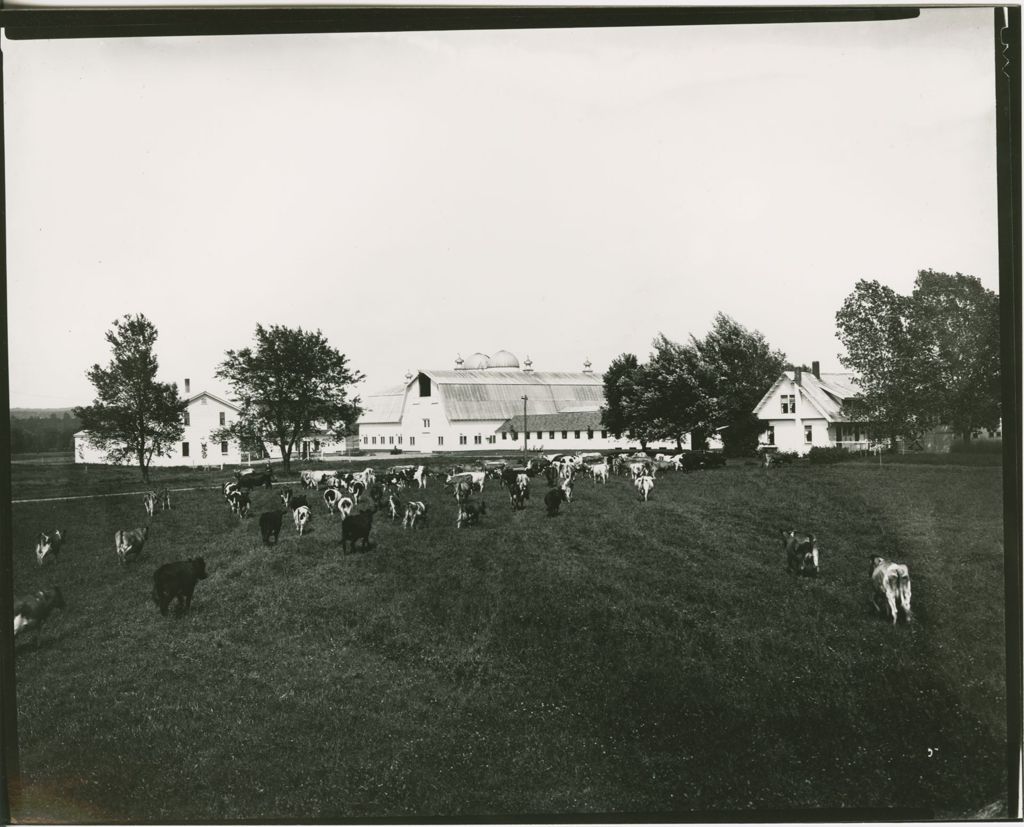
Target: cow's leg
892, 607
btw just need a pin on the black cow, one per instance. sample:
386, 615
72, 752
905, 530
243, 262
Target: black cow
255, 480
31, 610
270, 525
177, 581
554, 499
356, 527
239, 502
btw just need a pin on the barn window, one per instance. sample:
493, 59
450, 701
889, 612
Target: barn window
399, 439
391, 440
462, 440
590, 433
540, 435
551, 434
477, 440
366, 440
515, 435
412, 441
604, 435
426, 423
440, 440
187, 420
424, 385
374, 440
808, 435
491, 439
224, 447
504, 434
565, 434
576, 434
184, 449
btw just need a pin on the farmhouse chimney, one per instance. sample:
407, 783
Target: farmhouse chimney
187, 383
798, 374
816, 369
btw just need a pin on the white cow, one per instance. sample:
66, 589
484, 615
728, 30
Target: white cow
420, 475
600, 472
891, 584
644, 485
302, 515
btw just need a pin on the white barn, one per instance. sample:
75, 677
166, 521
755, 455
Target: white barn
205, 413
803, 410
478, 405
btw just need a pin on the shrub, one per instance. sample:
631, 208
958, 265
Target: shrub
784, 457
820, 455
978, 446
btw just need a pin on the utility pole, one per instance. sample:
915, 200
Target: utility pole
526, 431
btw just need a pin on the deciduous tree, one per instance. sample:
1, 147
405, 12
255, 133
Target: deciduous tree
290, 383
134, 417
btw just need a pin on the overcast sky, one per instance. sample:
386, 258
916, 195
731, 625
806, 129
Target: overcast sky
563, 194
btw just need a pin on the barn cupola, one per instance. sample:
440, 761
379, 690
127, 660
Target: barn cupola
528, 364
587, 367
408, 375
459, 362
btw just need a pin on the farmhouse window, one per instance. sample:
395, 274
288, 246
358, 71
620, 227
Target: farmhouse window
504, 435
590, 434
491, 439
440, 440
399, 439
426, 423
412, 440
540, 435
184, 449
604, 435
366, 440
391, 440
187, 420
462, 440
222, 422
477, 440
576, 434
224, 447
788, 403
808, 435
771, 434
424, 385
565, 434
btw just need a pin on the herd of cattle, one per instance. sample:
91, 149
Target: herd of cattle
342, 492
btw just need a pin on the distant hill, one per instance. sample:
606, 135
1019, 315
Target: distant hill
39, 413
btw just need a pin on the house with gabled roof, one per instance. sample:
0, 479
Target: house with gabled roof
204, 415
804, 409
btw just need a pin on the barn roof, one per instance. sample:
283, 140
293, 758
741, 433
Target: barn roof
498, 394
562, 421
385, 406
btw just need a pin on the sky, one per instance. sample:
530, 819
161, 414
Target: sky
562, 194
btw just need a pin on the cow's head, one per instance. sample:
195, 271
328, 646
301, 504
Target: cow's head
876, 561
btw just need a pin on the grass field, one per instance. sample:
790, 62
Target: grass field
623, 658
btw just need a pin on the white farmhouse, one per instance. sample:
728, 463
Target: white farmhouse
803, 410
205, 414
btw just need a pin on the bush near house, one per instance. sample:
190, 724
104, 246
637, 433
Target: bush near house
822, 455
979, 446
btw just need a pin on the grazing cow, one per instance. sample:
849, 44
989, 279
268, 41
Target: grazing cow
357, 489
308, 479
551, 475
462, 491
256, 479
130, 541
470, 513
474, 478
553, 499
30, 611
891, 585
332, 497
356, 527
49, 545
395, 507
600, 473
270, 525
345, 506
415, 511
149, 502
636, 470
164, 499
239, 502
507, 477
566, 486
519, 492
801, 553
302, 516
228, 489
292, 503
644, 486
177, 581
420, 476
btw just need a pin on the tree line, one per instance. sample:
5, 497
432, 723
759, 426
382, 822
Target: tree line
290, 381
38, 434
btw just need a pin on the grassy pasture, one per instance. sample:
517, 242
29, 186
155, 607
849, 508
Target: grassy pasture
622, 658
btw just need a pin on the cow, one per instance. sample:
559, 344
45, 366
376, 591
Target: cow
239, 502
553, 499
474, 478
567, 486
292, 503
396, 508
228, 488
130, 541
256, 479
164, 499
302, 516
332, 497
49, 545
507, 477
415, 511
149, 502
637, 469
270, 525
462, 491
801, 553
356, 527
357, 489
551, 475
30, 611
890, 583
420, 476
470, 513
177, 581
309, 479
345, 506
644, 485
519, 492
600, 473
